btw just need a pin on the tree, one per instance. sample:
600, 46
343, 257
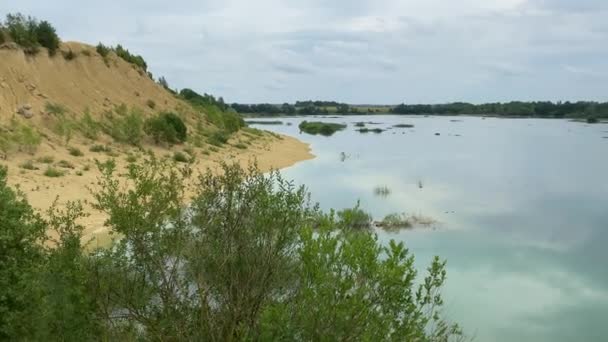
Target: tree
21, 254
47, 37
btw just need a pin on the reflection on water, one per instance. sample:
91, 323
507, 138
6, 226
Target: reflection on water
522, 206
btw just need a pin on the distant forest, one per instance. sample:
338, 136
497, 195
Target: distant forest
581, 109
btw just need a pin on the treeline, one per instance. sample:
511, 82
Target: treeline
29, 33
249, 260
516, 108
528, 109
300, 108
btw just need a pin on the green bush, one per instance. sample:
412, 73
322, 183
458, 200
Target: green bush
180, 157
218, 138
166, 128
88, 126
75, 152
53, 172
125, 126
354, 219
151, 104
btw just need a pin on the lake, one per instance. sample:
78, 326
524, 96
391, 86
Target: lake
522, 206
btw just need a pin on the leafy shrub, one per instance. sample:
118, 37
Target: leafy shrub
75, 152
166, 127
53, 172
218, 138
88, 126
151, 104
354, 219
180, 157
86, 52
241, 146
63, 125
125, 126
28, 138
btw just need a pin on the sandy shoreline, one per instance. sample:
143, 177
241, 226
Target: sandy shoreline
41, 191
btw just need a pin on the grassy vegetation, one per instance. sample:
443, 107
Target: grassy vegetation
53, 172
100, 148
151, 104
46, 160
403, 126
180, 157
88, 126
124, 125
21, 137
354, 219
218, 138
65, 164
76, 152
241, 146
318, 127
360, 124
28, 165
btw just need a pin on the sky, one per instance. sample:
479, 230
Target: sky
355, 51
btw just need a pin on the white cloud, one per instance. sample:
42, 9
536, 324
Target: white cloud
360, 51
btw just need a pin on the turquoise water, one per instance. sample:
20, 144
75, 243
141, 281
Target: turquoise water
522, 206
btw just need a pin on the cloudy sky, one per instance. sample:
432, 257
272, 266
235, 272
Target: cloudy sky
356, 51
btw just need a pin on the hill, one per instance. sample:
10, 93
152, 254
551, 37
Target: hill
62, 111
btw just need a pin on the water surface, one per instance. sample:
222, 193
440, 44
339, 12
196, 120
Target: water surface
522, 206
